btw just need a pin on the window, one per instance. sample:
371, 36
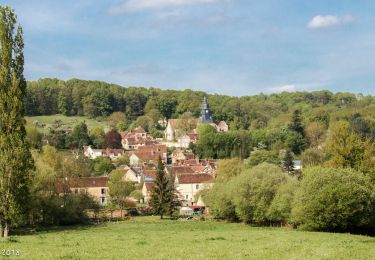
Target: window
75, 191
103, 191
197, 187
187, 197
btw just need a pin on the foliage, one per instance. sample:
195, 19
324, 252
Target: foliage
260, 156
79, 137
163, 195
97, 137
34, 138
15, 158
334, 200
254, 191
119, 189
288, 163
312, 157
102, 166
112, 140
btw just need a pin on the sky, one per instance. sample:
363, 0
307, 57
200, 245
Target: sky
233, 47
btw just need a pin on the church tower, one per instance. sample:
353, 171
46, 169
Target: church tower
205, 117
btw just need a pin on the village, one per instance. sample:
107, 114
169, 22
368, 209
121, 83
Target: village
191, 174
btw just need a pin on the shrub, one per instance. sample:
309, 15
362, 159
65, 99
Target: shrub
255, 190
334, 200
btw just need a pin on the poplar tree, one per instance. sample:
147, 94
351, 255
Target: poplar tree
15, 158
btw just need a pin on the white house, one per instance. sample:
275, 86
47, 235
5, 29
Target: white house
92, 153
188, 185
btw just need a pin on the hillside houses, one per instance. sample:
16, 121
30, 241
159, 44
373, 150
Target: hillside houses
112, 154
134, 139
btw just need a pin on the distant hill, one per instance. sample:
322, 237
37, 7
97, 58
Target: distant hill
94, 99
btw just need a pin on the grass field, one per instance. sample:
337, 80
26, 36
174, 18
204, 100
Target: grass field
151, 238
70, 121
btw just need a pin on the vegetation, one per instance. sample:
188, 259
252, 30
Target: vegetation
140, 238
324, 199
163, 197
15, 158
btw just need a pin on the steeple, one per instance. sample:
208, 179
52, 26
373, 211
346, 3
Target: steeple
205, 113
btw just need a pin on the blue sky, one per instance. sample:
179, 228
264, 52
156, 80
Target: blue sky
235, 47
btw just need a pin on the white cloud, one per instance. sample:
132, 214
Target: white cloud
140, 5
321, 21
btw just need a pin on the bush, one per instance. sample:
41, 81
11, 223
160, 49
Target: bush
254, 192
334, 200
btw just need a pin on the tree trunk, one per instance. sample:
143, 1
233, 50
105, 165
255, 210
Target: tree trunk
161, 216
6, 229
1, 230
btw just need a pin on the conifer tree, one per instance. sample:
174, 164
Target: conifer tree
15, 157
161, 194
288, 163
296, 123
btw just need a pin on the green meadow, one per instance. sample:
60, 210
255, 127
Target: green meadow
151, 238
66, 121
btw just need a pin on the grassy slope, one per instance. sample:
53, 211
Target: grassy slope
70, 121
150, 238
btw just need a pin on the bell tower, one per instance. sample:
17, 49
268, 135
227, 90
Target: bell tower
205, 113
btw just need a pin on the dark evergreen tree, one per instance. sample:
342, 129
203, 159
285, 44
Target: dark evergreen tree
288, 163
79, 137
161, 195
296, 123
15, 158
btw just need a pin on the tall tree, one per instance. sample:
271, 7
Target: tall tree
296, 123
15, 158
79, 136
113, 140
161, 194
288, 164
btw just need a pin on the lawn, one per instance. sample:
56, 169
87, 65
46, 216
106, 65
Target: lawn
151, 238
67, 121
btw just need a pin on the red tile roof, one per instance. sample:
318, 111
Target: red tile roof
149, 186
194, 178
62, 184
150, 173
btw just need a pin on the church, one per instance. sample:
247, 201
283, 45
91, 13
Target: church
170, 133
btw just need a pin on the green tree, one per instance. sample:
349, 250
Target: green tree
15, 158
296, 123
288, 164
161, 194
96, 136
119, 189
34, 138
102, 165
79, 137
334, 200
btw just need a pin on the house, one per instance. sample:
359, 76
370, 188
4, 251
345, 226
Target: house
185, 140
176, 125
222, 127
178, 156
149, 175
95, 186
132, 175
147, 190
148, 153
297, 165
136, 138
113, 154
188, 185
91, 153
